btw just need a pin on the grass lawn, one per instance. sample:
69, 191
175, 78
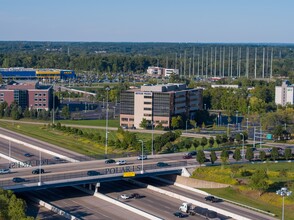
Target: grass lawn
111, 123
268, 201
70, 141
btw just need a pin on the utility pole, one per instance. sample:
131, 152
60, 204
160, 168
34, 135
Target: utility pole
263, 54
271, 73
255, 62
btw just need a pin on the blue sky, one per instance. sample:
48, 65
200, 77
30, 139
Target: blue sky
245, 21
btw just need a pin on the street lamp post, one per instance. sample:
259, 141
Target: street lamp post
186, 126
237, 120
152, 152
106, 126
243, 153
283, 192
248, 109
142, 170
53, 110
9, 152
40, 162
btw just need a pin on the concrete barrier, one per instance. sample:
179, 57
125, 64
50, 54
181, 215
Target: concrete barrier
14, 160
38, 148
54, 208
192, 201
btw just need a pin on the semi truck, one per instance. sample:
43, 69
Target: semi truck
191, 210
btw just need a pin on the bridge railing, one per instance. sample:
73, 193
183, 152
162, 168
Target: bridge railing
70, 176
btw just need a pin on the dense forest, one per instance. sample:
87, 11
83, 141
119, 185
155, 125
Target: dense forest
192, 59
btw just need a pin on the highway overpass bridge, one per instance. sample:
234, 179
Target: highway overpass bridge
66, 177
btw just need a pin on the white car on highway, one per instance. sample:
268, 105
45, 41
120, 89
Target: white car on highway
121, 162
4, 171
124, 196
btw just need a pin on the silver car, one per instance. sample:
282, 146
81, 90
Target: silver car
4, 171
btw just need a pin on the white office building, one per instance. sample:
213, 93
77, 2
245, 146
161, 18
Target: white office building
284, 94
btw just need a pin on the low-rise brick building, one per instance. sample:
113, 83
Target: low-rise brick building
27, 94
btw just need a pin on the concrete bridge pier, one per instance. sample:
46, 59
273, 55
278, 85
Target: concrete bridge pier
96, 187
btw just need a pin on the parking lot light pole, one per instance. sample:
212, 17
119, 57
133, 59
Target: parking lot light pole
142, 159
283, 192
152, 150
40, 165
9, 152
243, 153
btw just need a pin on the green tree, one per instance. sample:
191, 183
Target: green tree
259, 182
262, 155
200, 157
218, 139
203, 142
237, 154
235, 169
144, 123
288, 153
175, 123
249, 155
224, 156
213, 157
274, 153
211, 141
65, 113
196, 143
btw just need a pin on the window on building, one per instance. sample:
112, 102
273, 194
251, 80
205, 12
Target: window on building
147, 103
44, 104
40, 94
147, 109
44, 100
1, 94
147, 97
44, 94
36, 104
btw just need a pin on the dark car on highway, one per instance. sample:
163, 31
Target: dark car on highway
192, 153
37, 171
18, 180
179, 215
135, 196
93, 173
212, 199
28, 155
162, 164
110, 161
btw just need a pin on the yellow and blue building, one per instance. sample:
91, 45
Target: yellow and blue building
29, 73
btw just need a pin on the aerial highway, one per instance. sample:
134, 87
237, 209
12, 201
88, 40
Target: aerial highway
82, 205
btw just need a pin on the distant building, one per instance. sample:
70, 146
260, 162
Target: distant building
284, 94
225, 86
30, 95
158, 104
161, 72
29, 73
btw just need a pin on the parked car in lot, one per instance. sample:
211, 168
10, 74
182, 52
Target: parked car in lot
93, 173
121, 162
37, 171
4, 171
142, 157
213, 199
162, 164
187, 156
18, 180
110, 161
124, 196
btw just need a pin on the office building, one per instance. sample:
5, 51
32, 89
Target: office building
284, 94
30, 95
158, 104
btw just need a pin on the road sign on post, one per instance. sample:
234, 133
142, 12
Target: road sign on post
129, 174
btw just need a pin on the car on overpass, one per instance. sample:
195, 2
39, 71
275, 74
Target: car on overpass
18, 180
38, 171
4, 171
142, 157
125, 196
162, 164
93, 173
28, 155
121, 162
110, 161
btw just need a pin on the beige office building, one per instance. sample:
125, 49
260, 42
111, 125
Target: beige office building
158, 104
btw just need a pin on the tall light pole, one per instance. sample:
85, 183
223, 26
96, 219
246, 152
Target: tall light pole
243, 153
40, 162
186, 126
9, 152
53, 110
237, 119
248, 109
106, 126
152, 147
283, 192
142, 170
